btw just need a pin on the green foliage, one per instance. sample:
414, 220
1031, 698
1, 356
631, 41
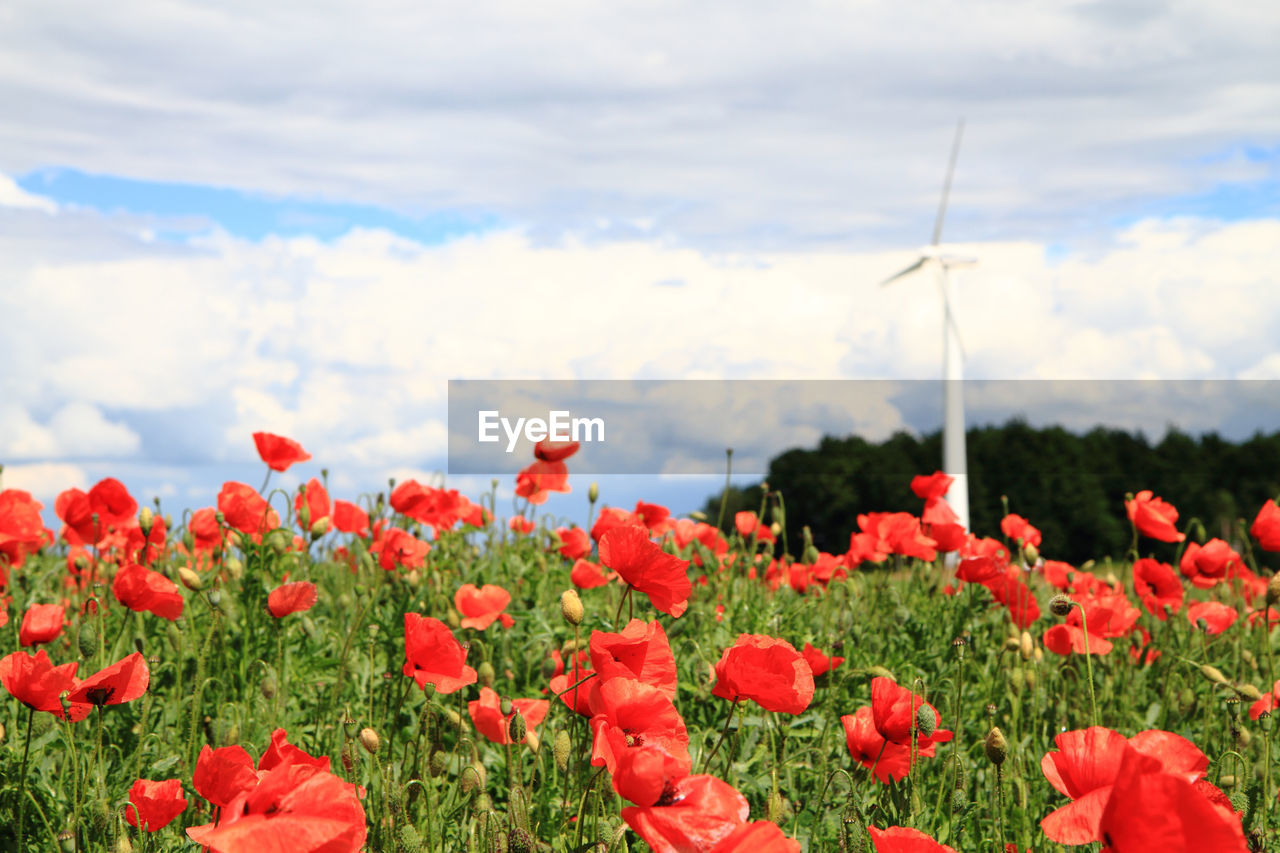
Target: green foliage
1070, 486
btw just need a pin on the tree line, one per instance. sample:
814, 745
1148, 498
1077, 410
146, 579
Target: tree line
1071, 486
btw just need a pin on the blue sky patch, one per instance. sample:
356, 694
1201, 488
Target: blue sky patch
250, 216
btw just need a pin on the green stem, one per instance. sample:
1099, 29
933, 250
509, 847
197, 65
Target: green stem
22, 779
1088, 662
706, 762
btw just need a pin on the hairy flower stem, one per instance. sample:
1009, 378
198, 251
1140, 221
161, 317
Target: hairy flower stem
1088, 662
706, 762
22, 779
582, 805
1000, 804
724, 497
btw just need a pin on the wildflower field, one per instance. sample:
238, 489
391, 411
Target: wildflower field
424, 671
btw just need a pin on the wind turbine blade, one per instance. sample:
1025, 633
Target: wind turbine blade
908, 271
946, 184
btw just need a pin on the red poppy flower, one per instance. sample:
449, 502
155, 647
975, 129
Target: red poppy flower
1268, 702
1208, 564
1153, 517
521, 525
1070, 639
292, 598
655, 517
1020, 530
899, 839
143, 590
1217, 616
1157, 585
486, 714
1152, 810
293, 807
899, 533
480, 607
109, 500
279, 452
745, 522
575, 687
696, 814
1086, 765
282, 752
153, 805
761, 836
1266, 527
641, 651
894, 709
316, 504
1057, 573
947, 537
574, 542
396, 547
611, 517
541, 478
434, 656
246, 510
664, 578
888, 761
350, 518
123, 681
588, 575
554, 451
933, 486
1010, 590
21, 527
35, 682
640, 736
819, 663
980, 570
766, 670
42, 623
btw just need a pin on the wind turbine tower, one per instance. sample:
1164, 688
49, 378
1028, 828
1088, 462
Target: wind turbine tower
953, 353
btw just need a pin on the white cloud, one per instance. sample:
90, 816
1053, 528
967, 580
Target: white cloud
705, 123
12, 195
44, 480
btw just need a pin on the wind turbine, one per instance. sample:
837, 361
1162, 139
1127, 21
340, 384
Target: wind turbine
953, 437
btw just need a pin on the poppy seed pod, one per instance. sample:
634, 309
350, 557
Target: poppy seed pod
996, 747
571, 607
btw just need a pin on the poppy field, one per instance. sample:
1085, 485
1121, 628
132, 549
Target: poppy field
421, 670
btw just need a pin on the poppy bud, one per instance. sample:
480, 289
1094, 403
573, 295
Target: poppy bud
146, 520
1248, 691
505, 706
959, 801
593, 492
996, 747
453, 620
1039, 655
486, 674
321, 527
1032, 553
1012, 644
520, 841
278, 541
1017, 679
880, 672
190, 579
439, 761
472, 778
516, 728
571, 607
698, 515
1, 732
1060, 605
81, 562
369, 740
926, 720
1030, 676
124, 845
1243, 738
87, 639
410, 841
562, 750
235, 568
269, 685
1028, 646
532, 740
1213, 674
1239, 799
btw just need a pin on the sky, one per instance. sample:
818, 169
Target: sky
306, 218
